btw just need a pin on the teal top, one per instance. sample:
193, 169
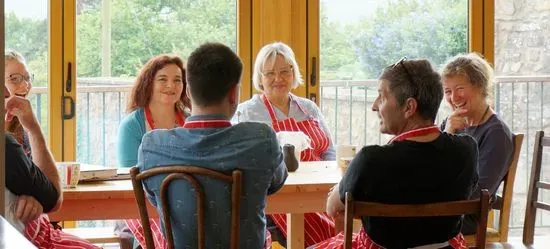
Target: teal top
130, 133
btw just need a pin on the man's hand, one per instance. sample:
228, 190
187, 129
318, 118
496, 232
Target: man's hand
335, 207
28, 208
21, 108
456, 121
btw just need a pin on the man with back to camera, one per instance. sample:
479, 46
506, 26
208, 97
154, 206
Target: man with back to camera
209, 140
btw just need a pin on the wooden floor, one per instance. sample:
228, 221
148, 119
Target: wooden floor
541, 242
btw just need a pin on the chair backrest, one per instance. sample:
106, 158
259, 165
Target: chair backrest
479, 207
508, 189
187, 173
534, 184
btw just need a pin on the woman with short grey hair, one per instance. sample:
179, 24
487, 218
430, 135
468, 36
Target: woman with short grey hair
467, 80
276, 73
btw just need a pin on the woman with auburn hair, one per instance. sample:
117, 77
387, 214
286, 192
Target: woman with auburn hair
157, 101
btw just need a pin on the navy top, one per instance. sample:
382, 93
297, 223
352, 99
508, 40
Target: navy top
496, 148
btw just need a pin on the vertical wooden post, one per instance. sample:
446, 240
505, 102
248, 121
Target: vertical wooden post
2, 133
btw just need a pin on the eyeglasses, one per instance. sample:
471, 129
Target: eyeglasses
17, 78
283, 72
400, 62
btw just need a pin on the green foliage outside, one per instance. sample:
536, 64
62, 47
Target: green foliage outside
434, 29
143, 28
140, 29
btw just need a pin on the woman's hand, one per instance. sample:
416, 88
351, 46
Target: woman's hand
456, 121
21, 108
28, 208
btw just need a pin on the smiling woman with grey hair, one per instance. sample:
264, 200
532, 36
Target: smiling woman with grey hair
276, 73
18, 81
467, 80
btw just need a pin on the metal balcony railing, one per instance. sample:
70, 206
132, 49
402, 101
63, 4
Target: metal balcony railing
522, 102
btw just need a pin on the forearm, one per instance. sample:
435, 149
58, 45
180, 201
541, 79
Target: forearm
43, 158
335, 207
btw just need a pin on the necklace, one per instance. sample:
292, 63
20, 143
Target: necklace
480, 120
483, 117
179, 122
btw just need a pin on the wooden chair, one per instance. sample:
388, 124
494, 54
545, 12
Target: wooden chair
186, 173
504, 202
479, 207
534, 184
532, 198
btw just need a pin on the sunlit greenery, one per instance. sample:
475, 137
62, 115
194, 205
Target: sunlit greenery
434, 29
144, 28
140, 29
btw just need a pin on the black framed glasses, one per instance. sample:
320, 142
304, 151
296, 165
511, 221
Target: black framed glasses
400, 62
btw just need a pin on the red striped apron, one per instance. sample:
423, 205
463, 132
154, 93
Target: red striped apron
319, 140
44, 236
135, 224
317, 226
160, 243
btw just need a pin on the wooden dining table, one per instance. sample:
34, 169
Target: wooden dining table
304, 191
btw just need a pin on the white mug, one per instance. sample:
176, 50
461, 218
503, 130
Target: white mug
345, 151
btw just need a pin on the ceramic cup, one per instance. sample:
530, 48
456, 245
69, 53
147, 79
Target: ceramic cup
69, 173
344, 151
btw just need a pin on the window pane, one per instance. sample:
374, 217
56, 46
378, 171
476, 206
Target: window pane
522, 95
359, 38
116, 39
25, 31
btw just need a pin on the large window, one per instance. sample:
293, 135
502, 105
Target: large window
25, 29
115, 38
359, 38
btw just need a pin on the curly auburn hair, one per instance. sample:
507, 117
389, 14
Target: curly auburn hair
141, 92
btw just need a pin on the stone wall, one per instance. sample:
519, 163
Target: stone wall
522, 37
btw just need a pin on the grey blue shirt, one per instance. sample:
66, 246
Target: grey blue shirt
250, 147
254, 110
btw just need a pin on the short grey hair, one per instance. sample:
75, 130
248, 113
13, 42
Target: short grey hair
417, 79
12, 55
269, 53
474, 67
